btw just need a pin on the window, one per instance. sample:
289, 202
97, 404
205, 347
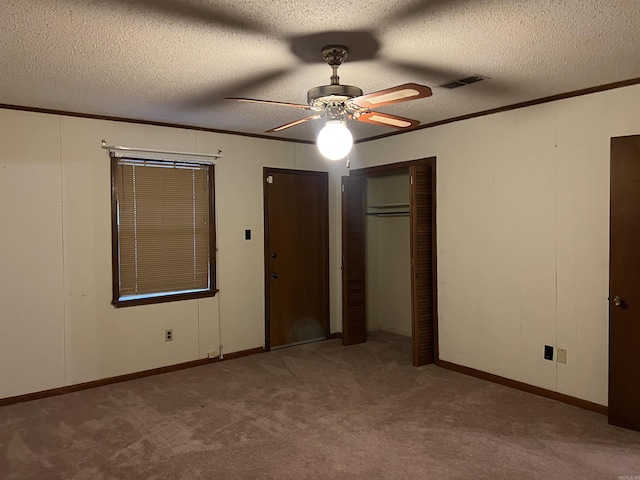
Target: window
163, 234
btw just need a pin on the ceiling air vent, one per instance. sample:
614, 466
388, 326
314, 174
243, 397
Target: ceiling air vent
464, 81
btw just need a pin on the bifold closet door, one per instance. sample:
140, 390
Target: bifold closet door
354, 316
422, 216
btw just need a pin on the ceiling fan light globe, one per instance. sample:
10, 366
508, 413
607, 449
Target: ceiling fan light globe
335, 140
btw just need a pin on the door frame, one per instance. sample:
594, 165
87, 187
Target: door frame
266, 172
406, 167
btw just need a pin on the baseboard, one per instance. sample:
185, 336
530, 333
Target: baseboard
525, 387
334, 335
594, 407
243, 353
124, 378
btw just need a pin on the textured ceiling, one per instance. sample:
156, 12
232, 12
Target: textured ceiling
175, 60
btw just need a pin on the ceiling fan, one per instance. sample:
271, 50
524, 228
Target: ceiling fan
337, 103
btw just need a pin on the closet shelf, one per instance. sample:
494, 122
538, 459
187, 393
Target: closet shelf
390, 205
389, 214
389, 210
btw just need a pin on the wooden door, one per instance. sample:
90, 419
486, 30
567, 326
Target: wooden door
624, 283
354, 316
296, 256
422, 221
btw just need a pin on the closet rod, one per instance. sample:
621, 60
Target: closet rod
388, 214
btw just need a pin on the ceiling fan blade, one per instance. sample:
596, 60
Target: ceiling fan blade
293, 124
435, 75
363, 44
270, 102
215, 95
401, 93
439, 76
387, 120
200, 12
421, 8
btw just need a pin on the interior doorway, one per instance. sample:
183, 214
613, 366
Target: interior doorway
624, 283
389, 255
296, 257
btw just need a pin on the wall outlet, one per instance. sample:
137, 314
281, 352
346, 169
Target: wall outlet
212, 354
562, 355
168, 335
548, 352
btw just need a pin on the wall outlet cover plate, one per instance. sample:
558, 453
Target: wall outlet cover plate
562, 355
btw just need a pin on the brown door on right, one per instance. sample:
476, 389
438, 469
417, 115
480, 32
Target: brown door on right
624, 284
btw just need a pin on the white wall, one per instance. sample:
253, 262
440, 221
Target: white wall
522, 215
32, 316
57, 325
523, 204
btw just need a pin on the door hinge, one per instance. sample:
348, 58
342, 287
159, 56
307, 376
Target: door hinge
411, 180
343, 187
269, 178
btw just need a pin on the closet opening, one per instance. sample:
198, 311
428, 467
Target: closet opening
389, 257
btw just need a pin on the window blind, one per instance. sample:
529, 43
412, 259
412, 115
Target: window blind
164, 235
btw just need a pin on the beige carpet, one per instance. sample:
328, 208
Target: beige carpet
315, 411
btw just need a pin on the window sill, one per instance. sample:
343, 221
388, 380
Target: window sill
163, 298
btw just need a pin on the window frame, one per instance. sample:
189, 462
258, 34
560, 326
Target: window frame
115, 245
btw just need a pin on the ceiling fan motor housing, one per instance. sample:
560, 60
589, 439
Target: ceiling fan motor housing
327, 95
334, 55
333, 97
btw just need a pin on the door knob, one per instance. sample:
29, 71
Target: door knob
274, 255
275, 275
617, 301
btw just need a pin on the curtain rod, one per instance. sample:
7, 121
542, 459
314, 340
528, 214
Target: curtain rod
148, 153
